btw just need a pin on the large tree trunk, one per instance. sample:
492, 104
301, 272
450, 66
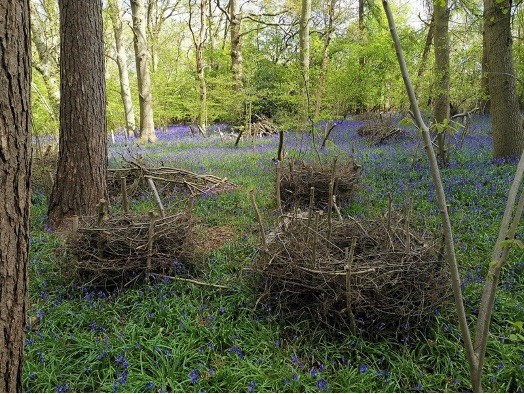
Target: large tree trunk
15, 168
236, 44
115, 13
82, 165
441, 105
325, 58
508, 135
45, 37
145, 98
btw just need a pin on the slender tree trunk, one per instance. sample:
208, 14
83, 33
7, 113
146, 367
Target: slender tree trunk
15, 198
508, 134
145, 98
236, 45
425, 53
115, 13
199, 41
361, 25
484, 82
45, 40
80, 180
441, 83
305, 16
325, 58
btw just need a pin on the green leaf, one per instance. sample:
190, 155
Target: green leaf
407, 121
513, 243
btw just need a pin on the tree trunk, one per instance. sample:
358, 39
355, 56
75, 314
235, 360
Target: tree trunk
198, 41
115, 13
82, 164
236, 45
45, 37
305, 16
325, 58
508, 135
425, 53
484, 82
15, 198
145, 98
361, 25
441, 106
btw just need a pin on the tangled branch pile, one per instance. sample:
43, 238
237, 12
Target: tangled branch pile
168, 181
297, 179
378, 128
369, 274
263, 127
115, 252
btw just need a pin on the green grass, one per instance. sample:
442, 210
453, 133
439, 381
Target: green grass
175, 336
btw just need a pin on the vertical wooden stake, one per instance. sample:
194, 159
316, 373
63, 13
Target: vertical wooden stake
259, 218
125, 202
390, 207
150, 236
408, 236
157, 197
330, 209
277, 192
310, 210
349, 261
315, 238
102, 217
337, 208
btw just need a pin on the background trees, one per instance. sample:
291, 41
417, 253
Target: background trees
15, 167
240, 51
80, 180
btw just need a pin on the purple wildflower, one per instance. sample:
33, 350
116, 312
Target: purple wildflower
322, 384
193, 376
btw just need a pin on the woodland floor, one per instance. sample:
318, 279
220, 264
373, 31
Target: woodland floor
170, 335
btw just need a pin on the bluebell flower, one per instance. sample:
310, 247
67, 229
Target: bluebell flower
251, 387
150, 386
322, 384
63, 389
193, 376
295, 377
122, 379
41, 357
287, 382
363, 368
313, 373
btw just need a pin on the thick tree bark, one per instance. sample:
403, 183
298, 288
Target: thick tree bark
441, 105
45, 37
236, 44
508, 135
325, 57
145, 98
15, 168
82, 164
115, 13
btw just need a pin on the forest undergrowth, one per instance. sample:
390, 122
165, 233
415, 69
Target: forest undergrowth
170, 335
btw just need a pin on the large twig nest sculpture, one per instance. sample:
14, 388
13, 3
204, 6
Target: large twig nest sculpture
296, 179
168, 181
370, 274
115, 252
379, 128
